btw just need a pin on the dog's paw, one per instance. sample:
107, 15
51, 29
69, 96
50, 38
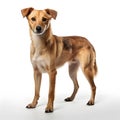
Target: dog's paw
30, 106
68, 99
49, 109
90, 102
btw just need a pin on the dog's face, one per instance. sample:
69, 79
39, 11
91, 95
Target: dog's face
39, 20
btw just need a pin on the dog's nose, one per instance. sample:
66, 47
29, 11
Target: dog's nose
38, 28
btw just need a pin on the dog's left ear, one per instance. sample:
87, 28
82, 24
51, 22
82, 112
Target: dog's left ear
51, 12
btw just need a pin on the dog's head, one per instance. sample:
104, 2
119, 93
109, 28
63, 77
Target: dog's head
39, 20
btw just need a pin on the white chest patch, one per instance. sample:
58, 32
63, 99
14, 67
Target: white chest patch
41, 62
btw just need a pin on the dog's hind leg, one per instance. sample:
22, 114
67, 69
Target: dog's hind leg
73, 67
90, 77
89, 69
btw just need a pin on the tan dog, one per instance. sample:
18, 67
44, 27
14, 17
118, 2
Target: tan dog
48, 52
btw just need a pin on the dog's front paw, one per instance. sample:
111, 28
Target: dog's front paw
90, 102
49, 109
69, 99
30, 106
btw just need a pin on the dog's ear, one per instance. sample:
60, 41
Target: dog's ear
51, 12
26, 11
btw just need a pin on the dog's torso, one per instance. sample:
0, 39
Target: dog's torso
45, 56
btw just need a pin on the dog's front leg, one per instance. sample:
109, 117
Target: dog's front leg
52, 79
37, 80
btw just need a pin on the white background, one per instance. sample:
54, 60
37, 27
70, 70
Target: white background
97, 20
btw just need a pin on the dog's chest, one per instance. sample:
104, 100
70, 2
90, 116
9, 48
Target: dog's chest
40, 58
40, 62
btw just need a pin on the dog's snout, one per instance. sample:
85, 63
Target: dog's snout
38, 28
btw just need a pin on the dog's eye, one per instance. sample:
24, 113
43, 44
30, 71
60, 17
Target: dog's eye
44, 19
33, 19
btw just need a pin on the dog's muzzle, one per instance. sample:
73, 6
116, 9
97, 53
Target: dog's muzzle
39, 30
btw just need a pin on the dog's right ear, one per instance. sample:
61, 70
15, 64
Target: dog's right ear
26, 11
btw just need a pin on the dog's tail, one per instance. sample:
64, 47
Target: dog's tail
94, 64
95, 69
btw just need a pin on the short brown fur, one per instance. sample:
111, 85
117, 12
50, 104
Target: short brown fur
48, 52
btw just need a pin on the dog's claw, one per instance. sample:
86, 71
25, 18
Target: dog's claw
48, 111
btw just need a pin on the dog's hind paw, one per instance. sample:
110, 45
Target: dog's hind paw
68, 99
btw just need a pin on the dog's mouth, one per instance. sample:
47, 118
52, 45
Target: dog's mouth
38, 32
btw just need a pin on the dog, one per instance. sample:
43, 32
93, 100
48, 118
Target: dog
48, 52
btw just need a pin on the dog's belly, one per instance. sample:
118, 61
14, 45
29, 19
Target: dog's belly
41, 63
